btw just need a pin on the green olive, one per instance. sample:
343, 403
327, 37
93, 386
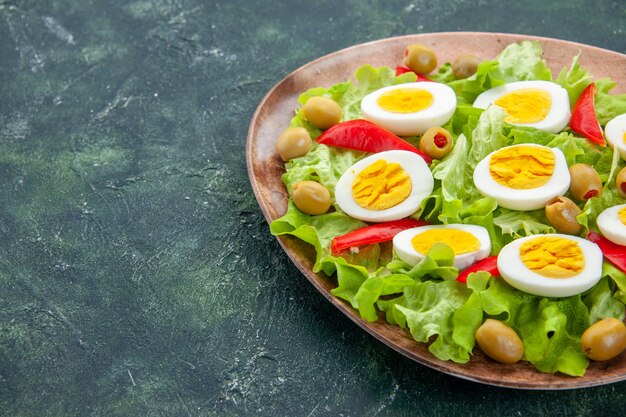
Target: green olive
436, 142
465, 66
420, 59
323, 112
604, 340
293, 143
310, 197
620, 182
499, 341
585, 182
561, 213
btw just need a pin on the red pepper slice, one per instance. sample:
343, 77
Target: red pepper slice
404, 70
363, 135
489, 264
615, 253
376, 233
584, 120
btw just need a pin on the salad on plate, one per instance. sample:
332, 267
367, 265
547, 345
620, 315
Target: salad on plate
480, 205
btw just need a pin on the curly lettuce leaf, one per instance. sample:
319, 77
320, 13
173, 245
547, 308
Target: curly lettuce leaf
314, 230
456, 171
608, 106
349, 94
447, 311
574, 79
602, 304
611, 163
618, 278
362, 290
517, 62
428, 310
518, 224
550, 329
575, 149
323, 164
438, 264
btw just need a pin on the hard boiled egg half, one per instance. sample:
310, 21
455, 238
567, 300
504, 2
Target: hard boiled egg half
523, 177
410, 109
552, 265
615, 132
612, 224
540, 104
470, 243
385, 186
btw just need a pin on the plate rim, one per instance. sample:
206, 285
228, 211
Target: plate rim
562, 382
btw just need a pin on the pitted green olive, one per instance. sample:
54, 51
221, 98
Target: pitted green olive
585, 182
293, 143
436, 142
310, 197
620, 182
322, 112
499, 341
465, 66
561, 213
604, 340
420, 59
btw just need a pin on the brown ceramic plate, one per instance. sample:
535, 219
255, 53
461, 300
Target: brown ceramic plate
265, 168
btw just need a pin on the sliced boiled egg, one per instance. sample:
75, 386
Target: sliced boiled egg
552, 265
385, 186
470, 243
523, 177
543, 105
612, 224
410, 109
615, 132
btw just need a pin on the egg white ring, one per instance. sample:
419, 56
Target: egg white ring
513, 270
404, 248
614, 132
611, 227
555, 120
416, 123
421, 186
523, 200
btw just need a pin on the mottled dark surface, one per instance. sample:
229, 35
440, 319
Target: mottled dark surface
137, 274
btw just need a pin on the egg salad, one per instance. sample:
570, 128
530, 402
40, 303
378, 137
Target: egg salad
468, 202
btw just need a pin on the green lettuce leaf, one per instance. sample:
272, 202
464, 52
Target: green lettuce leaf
574, 79
610, 162
428, 311
315, 230
517, 62
362, 290
608, 106
438, 264
323, 164
518, 224
456, 171
602, 304
618, 278
349, 94
451, 171
549, 328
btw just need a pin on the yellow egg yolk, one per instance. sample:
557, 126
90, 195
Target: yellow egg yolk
624, 138
553, 257
522, 167
459, 240
381, 185
527, 105
622, 215
405, 100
